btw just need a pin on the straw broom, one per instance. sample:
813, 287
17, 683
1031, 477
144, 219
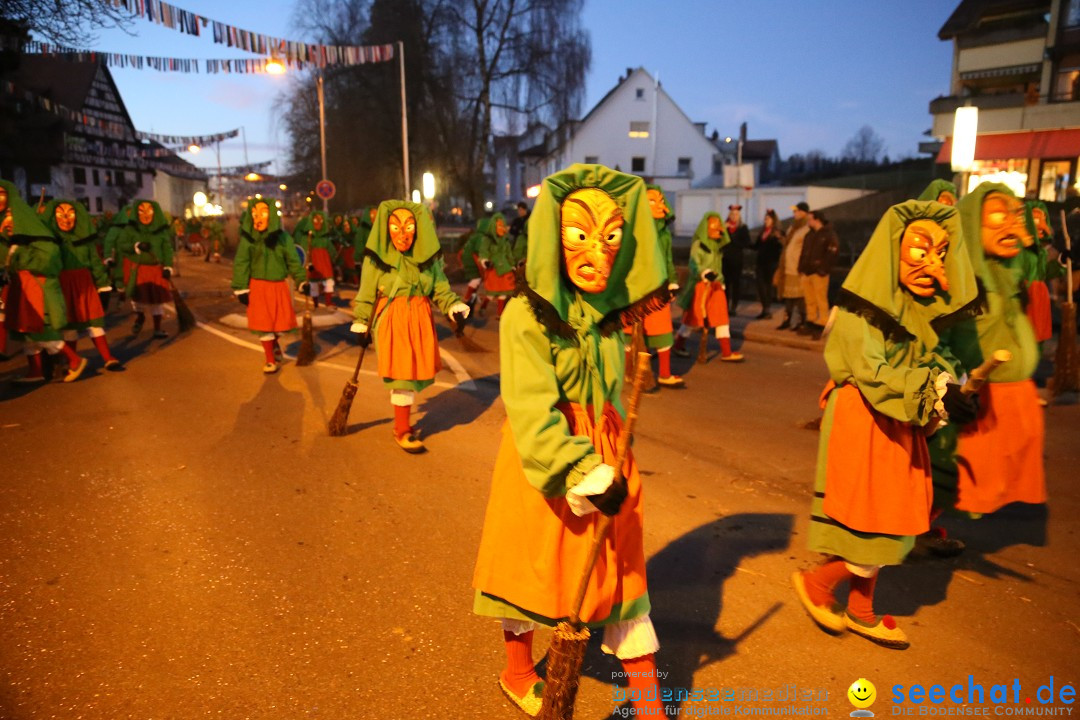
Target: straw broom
703, 348
184, 317
1066, 370
339, 421
571, 636
306, 354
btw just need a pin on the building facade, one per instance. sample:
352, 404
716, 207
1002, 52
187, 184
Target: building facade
1018, 62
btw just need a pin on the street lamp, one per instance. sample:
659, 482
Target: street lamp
429, 186
274, 66
965, 128
199, 199
416, 196
193, 148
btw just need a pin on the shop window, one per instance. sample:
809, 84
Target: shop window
637, 164
1054, 180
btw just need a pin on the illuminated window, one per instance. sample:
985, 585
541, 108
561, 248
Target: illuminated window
639, 129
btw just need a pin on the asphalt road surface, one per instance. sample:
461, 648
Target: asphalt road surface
183, 540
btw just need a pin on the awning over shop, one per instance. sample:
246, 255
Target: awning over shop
1033, 144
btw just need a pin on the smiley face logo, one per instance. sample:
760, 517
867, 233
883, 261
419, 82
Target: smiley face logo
862, 693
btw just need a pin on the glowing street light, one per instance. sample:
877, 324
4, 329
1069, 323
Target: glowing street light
253, 177
283, 186
193, 148
429, 186
416, 196
965, 128
199, 199
274, 66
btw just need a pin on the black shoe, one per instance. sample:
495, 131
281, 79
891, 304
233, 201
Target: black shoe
805, 329
784, 325
138, 326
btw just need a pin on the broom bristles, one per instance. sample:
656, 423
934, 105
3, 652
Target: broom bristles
1066, 373
339, 421
703, 349
306, 354
184, 317
565, 657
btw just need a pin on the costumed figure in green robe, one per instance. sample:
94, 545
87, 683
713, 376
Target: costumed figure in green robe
319, 250
1034, 269
891, 382
703, 300
34, 309
497, 259
110, 255
145, 250
594, 266
361, 229
401, 278
941, 191
471, 264
84, 280
265, 259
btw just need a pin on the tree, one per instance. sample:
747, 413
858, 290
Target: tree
65, 23
865, 147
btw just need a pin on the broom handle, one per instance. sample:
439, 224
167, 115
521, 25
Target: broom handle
978, 377
1068, 263
360, 360
622, 448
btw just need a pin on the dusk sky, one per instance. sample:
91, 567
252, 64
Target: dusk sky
808, 74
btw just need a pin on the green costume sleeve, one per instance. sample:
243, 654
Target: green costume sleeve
292, 259
664, 237
856, 353
166, 255
97, 267
241, 276
442, 295
40, 258
553, 459
370, 275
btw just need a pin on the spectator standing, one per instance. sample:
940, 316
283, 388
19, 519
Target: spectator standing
819, 251
768, 248
517, 227
733, 256
787, 271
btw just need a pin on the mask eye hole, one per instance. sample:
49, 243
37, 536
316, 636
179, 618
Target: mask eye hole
917, 254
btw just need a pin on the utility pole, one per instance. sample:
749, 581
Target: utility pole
322, 136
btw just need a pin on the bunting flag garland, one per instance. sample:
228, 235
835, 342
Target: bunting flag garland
188, 22
186, 140
237, 66
238, 169
113, 129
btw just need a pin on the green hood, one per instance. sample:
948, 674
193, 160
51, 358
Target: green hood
83, 229
970, 207
638, 273
365, 218
670, 217
425, 245
273, 224
27, 223
702, 233
934, 189
160, 222
1029, 219
489, 227
875, 278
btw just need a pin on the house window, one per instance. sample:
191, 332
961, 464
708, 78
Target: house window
592, 159
97, 179
120, 179
97, 200
684, 166
78, 174
639, 129
1072, 13
637, 164
1067, 84
108, 178
639, 93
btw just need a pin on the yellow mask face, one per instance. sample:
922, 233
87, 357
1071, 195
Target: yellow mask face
1003, 230
591, 225
500, 227
3, 200
1042, 227
922, 258
65, 217
146, 213
260, 217
372, 213
946, 198
714, 227
7, 225
657, 207
317, 222
402, 228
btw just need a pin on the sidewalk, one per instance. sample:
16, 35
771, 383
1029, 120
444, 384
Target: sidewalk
745, 326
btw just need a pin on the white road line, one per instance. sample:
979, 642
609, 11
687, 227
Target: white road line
463, 379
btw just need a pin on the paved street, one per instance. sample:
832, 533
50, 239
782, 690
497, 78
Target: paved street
183, 540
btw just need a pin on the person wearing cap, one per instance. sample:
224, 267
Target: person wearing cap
819, 251
787, 273
733, 256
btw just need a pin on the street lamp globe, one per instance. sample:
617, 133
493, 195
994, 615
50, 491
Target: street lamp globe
416, 196
429, 186
199, 199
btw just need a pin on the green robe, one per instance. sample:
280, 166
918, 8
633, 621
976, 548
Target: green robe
885, 342
269, 255
705, 254
472, 247
158, 233
78, 251
499, 251
386, 272
935, 188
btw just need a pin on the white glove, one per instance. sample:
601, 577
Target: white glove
486, 264
941, 386
595, 482
673, 287
238, 293
460, 308
358, 327
704, 275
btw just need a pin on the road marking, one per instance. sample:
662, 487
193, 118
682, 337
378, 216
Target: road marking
464, 380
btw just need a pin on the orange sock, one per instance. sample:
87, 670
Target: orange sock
821, 582
72, 356
860, 602
500, 304
268, 350
665, 363
644, 692
520, 673
401, 420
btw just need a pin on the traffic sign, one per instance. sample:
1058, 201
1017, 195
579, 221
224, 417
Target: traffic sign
325, 189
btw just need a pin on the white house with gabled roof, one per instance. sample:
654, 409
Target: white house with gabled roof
638, 129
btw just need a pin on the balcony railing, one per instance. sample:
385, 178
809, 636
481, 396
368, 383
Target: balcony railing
943, 105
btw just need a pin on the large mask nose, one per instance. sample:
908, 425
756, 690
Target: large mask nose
936, 270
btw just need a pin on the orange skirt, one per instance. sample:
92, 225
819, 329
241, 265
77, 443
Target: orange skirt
348, 258
405, 339
709, 306
270, 307
495, 283
1038, 310
151, 288
24, 303
877, 470
81, 297
1000, 457
534, 548
659, 322
324, 269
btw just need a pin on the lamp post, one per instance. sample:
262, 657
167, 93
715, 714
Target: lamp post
965, 130
322, 137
